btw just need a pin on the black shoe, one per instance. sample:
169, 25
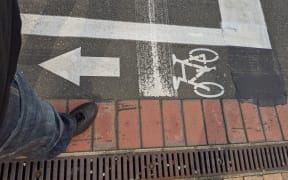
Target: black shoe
85, 114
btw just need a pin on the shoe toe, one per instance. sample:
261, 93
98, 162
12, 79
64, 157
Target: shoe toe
89, 111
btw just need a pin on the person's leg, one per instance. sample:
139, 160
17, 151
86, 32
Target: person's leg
35, 129
39, 131
31, 127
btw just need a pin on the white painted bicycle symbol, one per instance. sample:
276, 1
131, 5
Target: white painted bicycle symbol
204, 89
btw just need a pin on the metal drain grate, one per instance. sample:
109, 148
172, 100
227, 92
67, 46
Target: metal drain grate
153, 165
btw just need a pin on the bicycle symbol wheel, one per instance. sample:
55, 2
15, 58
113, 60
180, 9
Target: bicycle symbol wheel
215, 90
201, 54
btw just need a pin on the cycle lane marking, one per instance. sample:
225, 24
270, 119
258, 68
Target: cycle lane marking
92, 28
201, 69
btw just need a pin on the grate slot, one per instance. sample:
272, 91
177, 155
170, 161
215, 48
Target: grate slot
170, 165
74, 169
251, 159
48, 170
1, 170
196, 162
285, 154
100, 168
202, 162
89, 169
113, 168
208, 168
142, 164
259, 155
246, 158
131, 168
225, 168
117, 168
165, 165
27, 170
256, 160
277, 154
61, 170
106, 168
155, 171
19, 171
83, 169
181, 164
159, 166
219, 162
137, 167
227, 161
273, 157
280, 151
125, 167
68, 169
189, 163
12, 171
232, 160
176, 164
237, 163
6, 171
213, 162
41, 170
148, 164
267, 154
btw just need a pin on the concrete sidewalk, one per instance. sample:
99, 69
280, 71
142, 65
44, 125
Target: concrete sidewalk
278, 176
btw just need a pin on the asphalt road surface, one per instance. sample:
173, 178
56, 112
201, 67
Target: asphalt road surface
170, 59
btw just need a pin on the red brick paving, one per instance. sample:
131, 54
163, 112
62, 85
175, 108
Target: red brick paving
59, 105
252, 122
128, 125
79, 146
104, 127
81, 142
151, 123
173, 124
214, 122
194, 122
283, 118
270, 123
233, 119
167, 123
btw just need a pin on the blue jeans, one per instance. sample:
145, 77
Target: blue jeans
32, 127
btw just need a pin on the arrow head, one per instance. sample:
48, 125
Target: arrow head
65, 66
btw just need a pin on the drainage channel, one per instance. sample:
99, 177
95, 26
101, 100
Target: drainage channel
152, 165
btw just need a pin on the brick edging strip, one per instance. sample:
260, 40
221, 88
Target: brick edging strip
134, 124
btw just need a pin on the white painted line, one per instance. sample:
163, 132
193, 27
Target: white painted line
62, 26
72, 65
243, 23
154, 81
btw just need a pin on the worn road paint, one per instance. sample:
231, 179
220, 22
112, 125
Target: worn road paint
62, 26
238, 29
72, 65
243, 23
154, 66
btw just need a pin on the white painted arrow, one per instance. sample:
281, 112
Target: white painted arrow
71, 66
